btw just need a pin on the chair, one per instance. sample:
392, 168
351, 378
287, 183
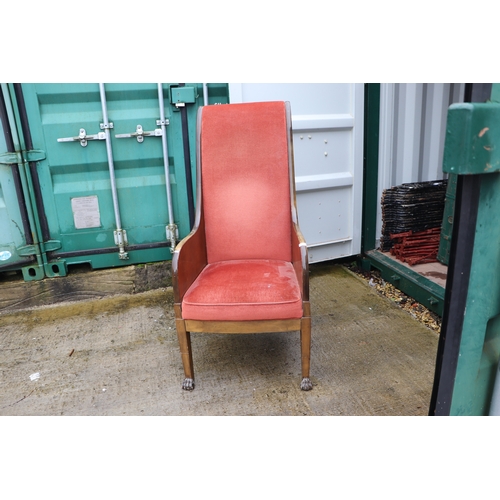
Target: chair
244, 266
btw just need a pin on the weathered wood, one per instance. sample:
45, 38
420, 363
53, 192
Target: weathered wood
17, 294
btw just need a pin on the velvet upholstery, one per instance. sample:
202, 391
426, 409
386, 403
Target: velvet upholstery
245, 182
246, 206
244, 290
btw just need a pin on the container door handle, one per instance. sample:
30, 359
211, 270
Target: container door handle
82, 137
140, 133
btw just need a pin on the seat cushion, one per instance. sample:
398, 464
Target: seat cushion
244, 290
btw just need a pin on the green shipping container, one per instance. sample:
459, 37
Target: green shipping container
99, 186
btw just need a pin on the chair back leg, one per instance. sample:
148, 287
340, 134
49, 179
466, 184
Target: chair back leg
305, 347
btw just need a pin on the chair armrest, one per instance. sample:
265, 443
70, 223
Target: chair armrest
189, 259
300, 260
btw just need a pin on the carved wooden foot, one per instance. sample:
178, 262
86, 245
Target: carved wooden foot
306, 384
188, 384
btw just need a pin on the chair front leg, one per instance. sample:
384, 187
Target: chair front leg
186, 353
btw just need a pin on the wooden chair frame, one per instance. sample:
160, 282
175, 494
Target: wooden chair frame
190, 257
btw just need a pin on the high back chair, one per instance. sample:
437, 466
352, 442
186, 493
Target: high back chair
244, 266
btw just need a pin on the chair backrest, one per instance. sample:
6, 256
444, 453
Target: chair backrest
245, 178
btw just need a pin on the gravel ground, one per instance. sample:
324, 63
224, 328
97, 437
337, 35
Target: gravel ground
428, 318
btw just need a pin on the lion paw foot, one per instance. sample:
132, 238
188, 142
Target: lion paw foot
188, 384
306, 384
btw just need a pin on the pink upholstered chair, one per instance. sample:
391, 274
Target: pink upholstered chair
244, 266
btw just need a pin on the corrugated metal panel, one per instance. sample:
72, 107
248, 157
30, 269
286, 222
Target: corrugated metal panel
412, 131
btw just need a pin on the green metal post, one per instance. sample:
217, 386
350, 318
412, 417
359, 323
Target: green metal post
469, 347
370, 166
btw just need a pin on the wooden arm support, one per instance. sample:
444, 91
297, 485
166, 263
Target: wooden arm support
300, 260
189, 259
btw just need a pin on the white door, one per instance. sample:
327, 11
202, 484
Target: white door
327, 122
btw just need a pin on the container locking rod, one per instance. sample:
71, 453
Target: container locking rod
120, 238
171, 229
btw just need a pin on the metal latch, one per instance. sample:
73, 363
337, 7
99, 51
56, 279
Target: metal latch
140, 133
83, 137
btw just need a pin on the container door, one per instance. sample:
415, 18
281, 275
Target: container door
81, 205
17, 248
327, 121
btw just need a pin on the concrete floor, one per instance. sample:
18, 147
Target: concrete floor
119, 355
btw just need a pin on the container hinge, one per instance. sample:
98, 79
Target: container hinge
34, 155
17, 157
26, 250
11, 158
140, 133
83, 138
52, 245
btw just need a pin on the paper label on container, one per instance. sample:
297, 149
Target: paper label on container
86, 212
